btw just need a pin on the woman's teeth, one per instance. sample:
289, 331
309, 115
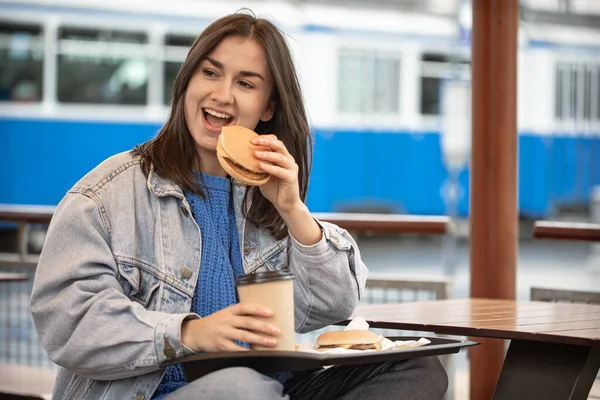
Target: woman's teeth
216, 113
216, 119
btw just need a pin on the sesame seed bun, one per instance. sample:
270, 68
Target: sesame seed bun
236, 155
350, 339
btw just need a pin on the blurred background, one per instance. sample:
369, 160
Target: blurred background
387, 89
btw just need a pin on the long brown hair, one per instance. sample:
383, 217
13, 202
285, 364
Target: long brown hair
172, 153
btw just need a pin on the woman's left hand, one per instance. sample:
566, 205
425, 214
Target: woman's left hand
282, 188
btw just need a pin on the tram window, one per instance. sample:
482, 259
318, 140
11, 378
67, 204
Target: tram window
430, 95
21, 62
576, 91
587, 95
434, 68
176, 49
596, 90
368, 82
102, 66
558, 93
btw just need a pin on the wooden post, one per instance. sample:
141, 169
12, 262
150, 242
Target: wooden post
493, 208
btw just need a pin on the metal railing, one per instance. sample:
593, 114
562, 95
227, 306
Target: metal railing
564, 295
19, 344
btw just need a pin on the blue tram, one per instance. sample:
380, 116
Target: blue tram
80, 83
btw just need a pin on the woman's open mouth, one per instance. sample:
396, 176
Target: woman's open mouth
216, 119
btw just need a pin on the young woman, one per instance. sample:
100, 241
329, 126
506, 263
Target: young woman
141, 257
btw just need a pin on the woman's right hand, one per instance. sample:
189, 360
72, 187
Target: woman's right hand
220, 330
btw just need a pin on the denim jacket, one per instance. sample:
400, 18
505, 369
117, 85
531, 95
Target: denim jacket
117, 274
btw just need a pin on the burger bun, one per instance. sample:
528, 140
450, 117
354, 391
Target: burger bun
354, 336
235, 153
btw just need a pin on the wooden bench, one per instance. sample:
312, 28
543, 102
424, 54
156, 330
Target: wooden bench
566, 231
7, 277
24, 216
572, 231
26, 382
360, 222
388, 223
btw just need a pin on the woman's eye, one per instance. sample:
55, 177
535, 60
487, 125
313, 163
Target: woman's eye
209, 72
246, 84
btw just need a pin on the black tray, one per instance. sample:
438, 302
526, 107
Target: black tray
199, 365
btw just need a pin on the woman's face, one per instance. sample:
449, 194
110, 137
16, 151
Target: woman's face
232, 86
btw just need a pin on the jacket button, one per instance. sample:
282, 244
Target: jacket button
169, 352
139, 396
186, 272
185, 211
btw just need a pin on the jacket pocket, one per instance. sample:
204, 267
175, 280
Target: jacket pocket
139, 285
275, 260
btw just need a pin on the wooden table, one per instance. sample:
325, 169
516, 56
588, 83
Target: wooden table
566, 230
554, 351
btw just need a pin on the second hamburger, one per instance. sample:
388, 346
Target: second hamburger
350, 339
236, 155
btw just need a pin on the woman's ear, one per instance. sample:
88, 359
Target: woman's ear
269, 111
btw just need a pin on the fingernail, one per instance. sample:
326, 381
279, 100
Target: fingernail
276, 330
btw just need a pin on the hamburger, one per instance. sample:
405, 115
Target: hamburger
236, 155
350, 339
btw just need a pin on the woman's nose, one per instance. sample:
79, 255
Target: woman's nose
222, 93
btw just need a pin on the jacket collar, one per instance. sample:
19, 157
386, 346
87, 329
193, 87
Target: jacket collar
162, 187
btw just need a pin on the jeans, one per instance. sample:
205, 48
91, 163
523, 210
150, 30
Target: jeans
415, 379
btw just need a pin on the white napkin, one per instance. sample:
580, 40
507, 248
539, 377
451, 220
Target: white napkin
357, 323
387, 344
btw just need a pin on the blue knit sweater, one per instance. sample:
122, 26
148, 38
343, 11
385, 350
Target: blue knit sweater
221, 261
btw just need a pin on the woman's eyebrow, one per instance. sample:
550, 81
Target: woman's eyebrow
219, 64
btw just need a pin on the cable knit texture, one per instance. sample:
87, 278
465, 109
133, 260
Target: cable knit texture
221, 261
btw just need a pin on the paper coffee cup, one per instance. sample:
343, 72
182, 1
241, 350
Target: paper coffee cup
274, 290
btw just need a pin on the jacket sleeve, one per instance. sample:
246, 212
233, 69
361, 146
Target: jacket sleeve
84, 320
330, 278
